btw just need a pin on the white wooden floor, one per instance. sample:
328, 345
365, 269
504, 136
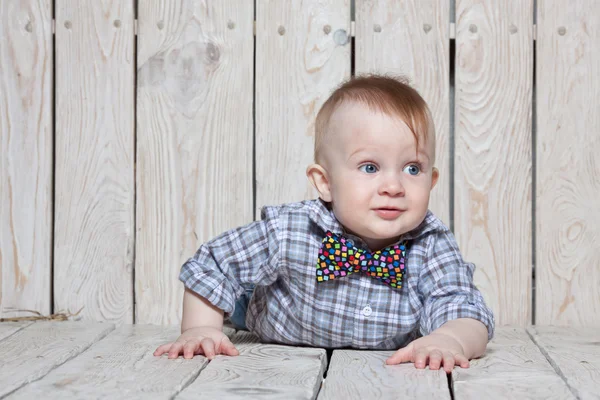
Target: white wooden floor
86, 360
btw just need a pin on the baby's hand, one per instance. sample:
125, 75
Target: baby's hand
202, 340
437, 348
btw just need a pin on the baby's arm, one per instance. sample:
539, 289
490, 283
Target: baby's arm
213, 279
201, 331
455, 322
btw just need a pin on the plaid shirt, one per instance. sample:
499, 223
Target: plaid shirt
279, 253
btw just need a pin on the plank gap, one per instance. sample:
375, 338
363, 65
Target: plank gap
552, 363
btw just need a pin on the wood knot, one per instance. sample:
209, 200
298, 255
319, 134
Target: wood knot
213, 52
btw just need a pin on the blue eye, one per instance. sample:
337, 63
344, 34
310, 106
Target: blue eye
412, 169
368, 168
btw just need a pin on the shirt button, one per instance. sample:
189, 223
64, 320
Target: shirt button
367, 311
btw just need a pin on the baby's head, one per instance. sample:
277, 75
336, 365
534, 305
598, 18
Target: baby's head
374, 157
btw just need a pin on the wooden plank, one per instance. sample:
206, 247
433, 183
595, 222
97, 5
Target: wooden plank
267, 371
493, 151
32, 352
194, 139
119, 366
567, 167
575, 355
302, 54
93, 247
512, 367
25, 156
411, 38
9, 328
364, 375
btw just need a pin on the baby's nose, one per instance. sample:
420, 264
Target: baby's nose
392, 186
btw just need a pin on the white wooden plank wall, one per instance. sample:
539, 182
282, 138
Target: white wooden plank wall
302, 54
26, 56
492, 186
194, 157
94, 159
568, 168
412, 39
194, 135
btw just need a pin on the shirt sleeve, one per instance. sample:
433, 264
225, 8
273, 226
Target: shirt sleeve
447, 288
240, 257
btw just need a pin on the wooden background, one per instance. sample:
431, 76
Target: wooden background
132, 131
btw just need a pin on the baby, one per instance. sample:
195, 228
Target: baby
365, 265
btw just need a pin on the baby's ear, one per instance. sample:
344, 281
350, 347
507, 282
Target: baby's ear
435, 174
317, 175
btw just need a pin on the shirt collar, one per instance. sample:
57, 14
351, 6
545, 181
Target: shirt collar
322, 215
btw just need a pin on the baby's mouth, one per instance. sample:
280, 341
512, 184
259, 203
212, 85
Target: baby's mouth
388, 212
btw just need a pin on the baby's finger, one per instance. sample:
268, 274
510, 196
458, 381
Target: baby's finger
175, 350
162, 349
461, 360
228, 348
208, 347
449, 362
190, 347
421, 357
402, 355
435, 359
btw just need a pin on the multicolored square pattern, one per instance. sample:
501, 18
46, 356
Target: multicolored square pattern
337, 259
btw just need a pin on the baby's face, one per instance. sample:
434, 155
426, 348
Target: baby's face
379, 184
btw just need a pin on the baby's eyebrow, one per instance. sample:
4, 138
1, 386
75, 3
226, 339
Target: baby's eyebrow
359, 150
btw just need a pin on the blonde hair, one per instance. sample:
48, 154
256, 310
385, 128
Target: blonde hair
385, 93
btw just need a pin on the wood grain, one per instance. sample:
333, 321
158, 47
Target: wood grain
9, 328
411, 38
265, 371
122, 364
32, 352
357, 374
568, 169
94, 191
575, 354
298, 65
512, 367
26, 56
494, 78
194, 139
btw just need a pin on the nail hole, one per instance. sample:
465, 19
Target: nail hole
473, 28
68, 24
29, 27
340, 37
562, 30
231, 24
281, 30
426, 28
513, 29
117, 23
377, 28
160, 24
327, 29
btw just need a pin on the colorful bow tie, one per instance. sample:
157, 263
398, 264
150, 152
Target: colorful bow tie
338, 258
